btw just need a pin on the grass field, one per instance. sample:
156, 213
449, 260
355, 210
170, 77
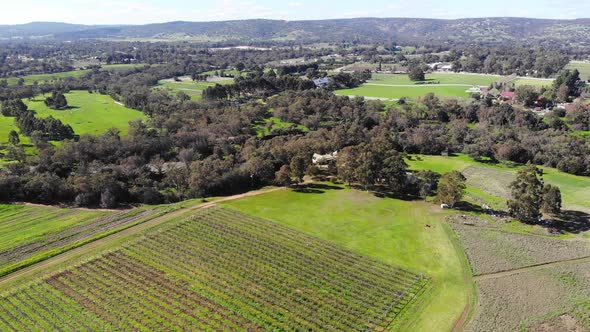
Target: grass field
270, 277
582, 67
493, 179
394, 86
534, 82
192, 88
389, 230
273, 123
40, 78
89, 113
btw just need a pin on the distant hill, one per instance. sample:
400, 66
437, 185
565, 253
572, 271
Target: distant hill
360, 29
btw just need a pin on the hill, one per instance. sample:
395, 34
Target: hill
501, 29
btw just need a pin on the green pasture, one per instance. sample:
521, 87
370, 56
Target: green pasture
582, 67
534, 82
391, 230
265, 128
194, 89
396, 92
441, 78
89, 113
40, 78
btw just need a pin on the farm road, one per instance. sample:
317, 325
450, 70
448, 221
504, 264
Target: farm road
100, 243
530, 268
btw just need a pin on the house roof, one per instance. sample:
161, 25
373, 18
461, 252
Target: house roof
321, 81
507, 94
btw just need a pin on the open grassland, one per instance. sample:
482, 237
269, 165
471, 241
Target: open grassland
89, 113
395, 86
537, 82
273, 123
40, 78
30, 234
528, 300
388, 230
194, 89
493, 179
231, 272
582, 67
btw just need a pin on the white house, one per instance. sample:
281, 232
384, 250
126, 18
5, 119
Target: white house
322, 159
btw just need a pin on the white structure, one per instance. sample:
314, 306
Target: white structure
444, 206
320, 159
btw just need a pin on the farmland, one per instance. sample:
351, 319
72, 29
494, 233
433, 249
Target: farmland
537, 82
194, 89
40, 78
88, 113
393, 86
582, 67
233, 271
393, 231
31, 234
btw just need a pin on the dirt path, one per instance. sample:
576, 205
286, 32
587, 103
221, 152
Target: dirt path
530, 268
87, 248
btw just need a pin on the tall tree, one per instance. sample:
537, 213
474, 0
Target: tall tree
527, 194
451, 188
298, 166
347, 163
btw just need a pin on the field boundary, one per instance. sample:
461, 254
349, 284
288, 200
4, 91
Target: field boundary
535, 267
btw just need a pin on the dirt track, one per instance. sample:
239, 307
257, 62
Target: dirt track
530, 268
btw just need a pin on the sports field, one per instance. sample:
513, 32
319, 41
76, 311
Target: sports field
395, 86
89, 113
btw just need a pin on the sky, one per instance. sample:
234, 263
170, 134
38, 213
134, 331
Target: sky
156, 11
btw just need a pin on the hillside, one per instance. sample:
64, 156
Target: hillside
362, 29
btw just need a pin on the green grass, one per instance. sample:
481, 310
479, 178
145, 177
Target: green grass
40, 78
394, 86
90, 113
442, 78
574, 189
582, 67
273, 123
390, 230
192, 88
534, 82
22, 224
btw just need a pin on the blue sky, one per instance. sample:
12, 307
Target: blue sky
153, 11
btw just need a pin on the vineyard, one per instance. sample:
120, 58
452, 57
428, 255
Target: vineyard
50, 240
218, 270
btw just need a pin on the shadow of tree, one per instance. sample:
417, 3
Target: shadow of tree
570, 221
315, 188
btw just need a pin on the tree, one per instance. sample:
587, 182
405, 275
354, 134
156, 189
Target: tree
393, 171
551, 199
347, 163
369, 167
298, 166
13, 138
527, 194
451, 188
526, 95
57, 101
428, 183
416, 73
283, 176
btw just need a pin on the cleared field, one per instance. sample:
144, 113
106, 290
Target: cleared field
233, 272
396, 92
395, 86
534, 82
40, 78
89, 113
192, 88
273, 123
582, 67
490, 249
494, 179
440, 78
389, 230
530, 300
29, 234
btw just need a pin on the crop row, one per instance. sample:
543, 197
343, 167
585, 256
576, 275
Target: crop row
280, 278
